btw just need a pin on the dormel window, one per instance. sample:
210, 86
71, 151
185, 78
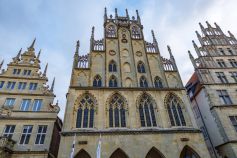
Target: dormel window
143, 82
117, 112
110, 31
113, 81
112, 66
141, 67
97, 81
158, 82
147, 111
85, 112
136, 33
175, 112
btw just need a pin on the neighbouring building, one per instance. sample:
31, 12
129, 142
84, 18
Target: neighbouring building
125, 91
29, 124
213, 90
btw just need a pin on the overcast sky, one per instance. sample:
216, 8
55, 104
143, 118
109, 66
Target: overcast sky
58, 24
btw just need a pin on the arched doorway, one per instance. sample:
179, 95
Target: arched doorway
154, 153
118, 154
188, 152
82, 154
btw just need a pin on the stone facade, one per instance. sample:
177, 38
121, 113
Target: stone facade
28, 118
212, 90
125, 91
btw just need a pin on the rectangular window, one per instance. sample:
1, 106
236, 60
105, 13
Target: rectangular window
221, 51
37, 104
224, 97
16, 71
222, 77
26, 72
221, 63
21, 85
10, 85
26, 133
234, 76
8, 131
233, 120
1, 84
41, 134
9, 102
233, 62
33, 86
25, 104
230, 51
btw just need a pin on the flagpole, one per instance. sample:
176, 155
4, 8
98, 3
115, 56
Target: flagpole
73, 146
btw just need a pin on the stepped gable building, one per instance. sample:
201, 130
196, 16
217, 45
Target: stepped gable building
126, 92
212, 90
28, 119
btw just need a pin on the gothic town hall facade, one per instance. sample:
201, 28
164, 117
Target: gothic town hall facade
131, 96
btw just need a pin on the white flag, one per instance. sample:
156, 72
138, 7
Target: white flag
73, 146
98, 151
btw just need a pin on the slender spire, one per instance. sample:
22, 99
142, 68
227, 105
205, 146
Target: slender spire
92, 32
52, 86
208, 25
172, 58
31, 48
77, 47
45, 70
199, 37
1, 64
196, 48
116, 13
218, 28
19, 54
127, 15
155, 41
76, 55
192, 59
92, 38
39, 54
105, 15
231, 35
138, 17
170, 52
202, 28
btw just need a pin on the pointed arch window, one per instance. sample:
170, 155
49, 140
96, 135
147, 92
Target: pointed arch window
97, 81
117, 112
110, 32
143, 82
112, 66
136, 33
175, 112
146, 111
158, 82
85, 112
113, 82
141, 67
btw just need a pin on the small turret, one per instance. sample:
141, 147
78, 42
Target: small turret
231, 35
199, 38
116, 13
45, 70
38, 56
219, 29
155, 41
172, 58
196, 48
208, 25
138, 17
127, 15
203, 29
76, 55
17, 58
31, 48
52, 86
105, 15
92, 38
1, 64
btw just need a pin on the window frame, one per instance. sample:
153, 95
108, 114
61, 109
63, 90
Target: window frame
41, 134
10, 132
26, 135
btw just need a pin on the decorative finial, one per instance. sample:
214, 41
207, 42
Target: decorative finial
1, 64
32, 45
190, 55
38, 56
92, 32
208, 24
170, 52
138, 17
127, 13
194, 44
45, 70
116, 13
77, 47
19, 54
153, 36
52, 86
105, 15
202, 28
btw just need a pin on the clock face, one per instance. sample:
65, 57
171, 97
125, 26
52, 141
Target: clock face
112, 52
138, 53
